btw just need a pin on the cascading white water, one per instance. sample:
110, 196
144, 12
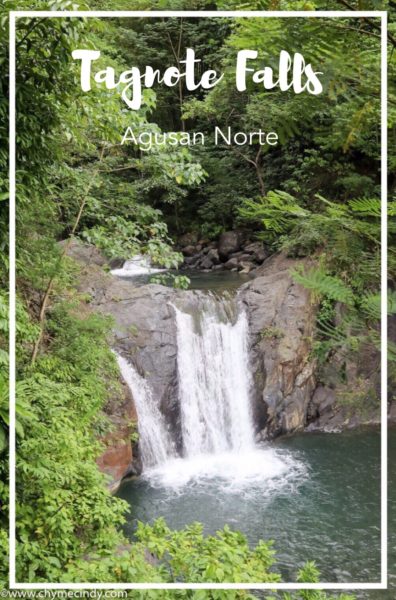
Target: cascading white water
155, 441
214, 381
216, 422
137, 265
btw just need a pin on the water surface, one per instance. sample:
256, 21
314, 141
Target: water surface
325, 506
215, 281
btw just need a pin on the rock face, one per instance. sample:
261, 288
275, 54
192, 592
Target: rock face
85, 254
297, 395
281, 319
119, 458
144, 331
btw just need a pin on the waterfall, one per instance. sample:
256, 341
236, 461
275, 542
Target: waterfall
214, 380
213, 392
155, 442
216, 425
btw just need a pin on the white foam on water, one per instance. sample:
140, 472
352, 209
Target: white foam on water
262, 470
137, 265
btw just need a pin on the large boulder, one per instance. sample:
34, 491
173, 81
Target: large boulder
257, 251
229, 242
206, 263
213, 255
281, 320
232, 263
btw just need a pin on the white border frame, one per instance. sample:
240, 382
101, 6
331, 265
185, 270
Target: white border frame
382, 584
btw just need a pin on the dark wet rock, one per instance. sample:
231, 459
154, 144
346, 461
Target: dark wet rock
252, 247
238, 255
213, 255
230, 246
189, 250
323, 400
85, 254
231, 264
116, 263
337, 417
257, 251
261, 255
207, 263
229, 242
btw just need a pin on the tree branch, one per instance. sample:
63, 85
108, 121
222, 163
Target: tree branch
177, 58
33, 26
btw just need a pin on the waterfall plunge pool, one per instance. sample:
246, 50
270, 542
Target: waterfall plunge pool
316, 495
320, 502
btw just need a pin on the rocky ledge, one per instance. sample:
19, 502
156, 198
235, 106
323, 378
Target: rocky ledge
295, 393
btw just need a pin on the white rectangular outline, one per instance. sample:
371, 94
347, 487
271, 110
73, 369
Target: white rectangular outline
382, 584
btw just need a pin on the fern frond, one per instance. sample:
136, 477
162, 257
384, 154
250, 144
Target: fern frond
371, 305
367, 207
322, 284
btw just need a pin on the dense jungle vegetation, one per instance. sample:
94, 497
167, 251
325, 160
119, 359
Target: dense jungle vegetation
315, 194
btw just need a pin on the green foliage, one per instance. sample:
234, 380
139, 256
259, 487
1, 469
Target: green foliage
64, 509
181, 282
119, 237
329, 144
271, 333
189, 556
